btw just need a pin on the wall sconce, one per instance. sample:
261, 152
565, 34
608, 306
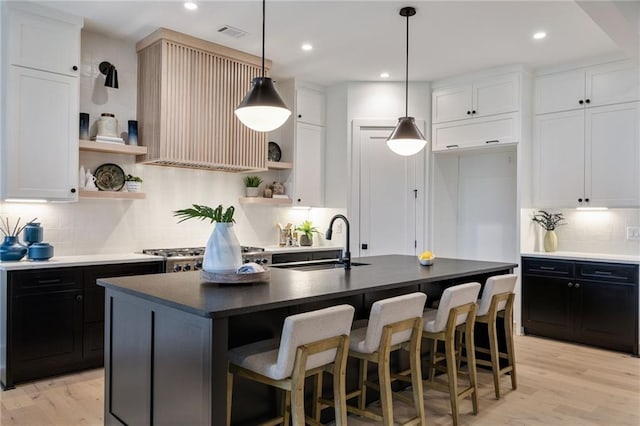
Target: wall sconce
108, 69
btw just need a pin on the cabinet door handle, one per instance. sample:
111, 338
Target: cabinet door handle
586, 200
365, 246
579, 200
493, 141
451, 146
548, 268
577, 285
570, 285
299, 115
73, 190
79, 298
468, 112
580, 101
588, 101
473, 112
299, 200
75, 68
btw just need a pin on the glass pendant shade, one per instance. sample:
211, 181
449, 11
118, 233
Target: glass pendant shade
406, 138
262, 109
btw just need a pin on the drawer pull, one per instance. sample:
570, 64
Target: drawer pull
52, 281
603, 272
577, 285
548, 268
451, 146
493, 141
570, 285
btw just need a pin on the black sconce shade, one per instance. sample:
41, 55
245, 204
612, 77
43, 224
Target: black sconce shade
108, 69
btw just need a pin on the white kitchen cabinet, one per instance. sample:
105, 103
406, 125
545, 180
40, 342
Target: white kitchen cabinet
50, 43
599, 85
484, 97
308, 187
483, 131
588, 157
40, 136
310, 106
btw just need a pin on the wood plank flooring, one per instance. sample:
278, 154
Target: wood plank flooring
558, 384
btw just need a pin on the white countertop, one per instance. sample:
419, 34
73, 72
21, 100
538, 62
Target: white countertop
90, 259
278, 249
571, 255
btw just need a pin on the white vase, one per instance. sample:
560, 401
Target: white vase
222, 253
134, 186
251, 191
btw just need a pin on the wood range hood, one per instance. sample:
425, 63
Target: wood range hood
188, 89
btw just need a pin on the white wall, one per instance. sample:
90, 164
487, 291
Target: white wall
121, 226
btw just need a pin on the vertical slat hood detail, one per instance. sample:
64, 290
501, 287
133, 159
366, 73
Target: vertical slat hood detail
187, 91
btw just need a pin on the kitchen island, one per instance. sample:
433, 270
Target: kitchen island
167, 336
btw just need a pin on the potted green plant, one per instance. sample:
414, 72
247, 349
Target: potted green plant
307, 229
549, 222
222, 253
252, 184
134, 183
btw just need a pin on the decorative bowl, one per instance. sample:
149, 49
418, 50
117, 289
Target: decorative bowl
40, 251
426, 262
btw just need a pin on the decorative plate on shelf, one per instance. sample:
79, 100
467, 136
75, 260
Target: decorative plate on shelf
274, 152
109, 177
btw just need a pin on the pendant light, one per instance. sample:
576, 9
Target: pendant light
406, 139
262, 109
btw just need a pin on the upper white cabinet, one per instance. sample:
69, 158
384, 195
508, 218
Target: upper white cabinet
483, 97
50, 43
599, 85
302, 141
480, 112
40, 136
310, 106
588, 157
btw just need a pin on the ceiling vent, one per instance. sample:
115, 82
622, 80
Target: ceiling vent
232, 32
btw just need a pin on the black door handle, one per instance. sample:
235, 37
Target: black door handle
364, 246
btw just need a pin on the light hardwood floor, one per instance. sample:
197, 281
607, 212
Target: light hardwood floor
558, 384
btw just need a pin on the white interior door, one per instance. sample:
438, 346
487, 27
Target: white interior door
391, 197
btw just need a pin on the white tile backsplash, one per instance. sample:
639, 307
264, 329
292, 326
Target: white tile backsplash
586, 231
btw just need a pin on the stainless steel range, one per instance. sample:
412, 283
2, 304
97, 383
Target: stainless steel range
190, 259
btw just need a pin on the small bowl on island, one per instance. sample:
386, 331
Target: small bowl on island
426, 258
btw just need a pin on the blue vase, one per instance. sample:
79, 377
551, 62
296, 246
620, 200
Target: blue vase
11, 249
133, 132
32, 233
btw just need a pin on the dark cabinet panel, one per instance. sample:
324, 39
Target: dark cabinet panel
595, 303
305, 256
55, 319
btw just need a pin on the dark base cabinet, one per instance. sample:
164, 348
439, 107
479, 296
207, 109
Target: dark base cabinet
305, 256
55, 320
593, 303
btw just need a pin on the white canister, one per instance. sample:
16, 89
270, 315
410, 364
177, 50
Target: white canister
108, 125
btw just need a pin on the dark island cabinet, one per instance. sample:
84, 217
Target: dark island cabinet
593, 303
55, 319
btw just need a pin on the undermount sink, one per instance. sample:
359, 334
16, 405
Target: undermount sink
316, 265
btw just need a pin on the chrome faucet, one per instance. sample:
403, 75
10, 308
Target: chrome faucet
346, 259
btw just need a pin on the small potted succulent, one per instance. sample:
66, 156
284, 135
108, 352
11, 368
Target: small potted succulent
307, 229
252, 184
549, 222
134, 183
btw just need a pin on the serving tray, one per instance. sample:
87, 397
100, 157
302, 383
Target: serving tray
233, 278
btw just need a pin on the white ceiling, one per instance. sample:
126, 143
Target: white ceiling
357, 40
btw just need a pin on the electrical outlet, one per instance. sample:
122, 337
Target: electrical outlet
633, 233
338, 228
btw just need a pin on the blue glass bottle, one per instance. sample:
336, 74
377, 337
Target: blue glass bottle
133, 132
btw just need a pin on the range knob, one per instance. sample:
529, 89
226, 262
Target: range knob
187, 267
198, 265
264, 261
246, 260
177, 268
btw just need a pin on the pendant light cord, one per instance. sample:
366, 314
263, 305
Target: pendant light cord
263, 25
406, 76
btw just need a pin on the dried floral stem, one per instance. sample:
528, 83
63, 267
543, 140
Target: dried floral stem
5, 226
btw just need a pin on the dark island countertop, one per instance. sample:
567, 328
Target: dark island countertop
188, 292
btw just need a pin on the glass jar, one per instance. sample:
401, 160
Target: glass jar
108, 125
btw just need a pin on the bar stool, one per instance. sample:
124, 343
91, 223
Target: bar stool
394, 323
497, 301
456, 313
311, 342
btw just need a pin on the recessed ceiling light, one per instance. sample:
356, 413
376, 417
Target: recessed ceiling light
189, 5
384, 75
539, 35
307, 46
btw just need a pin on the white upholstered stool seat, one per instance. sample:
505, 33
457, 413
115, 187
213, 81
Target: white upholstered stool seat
311, 342
394, 323
456, 313
497, 301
